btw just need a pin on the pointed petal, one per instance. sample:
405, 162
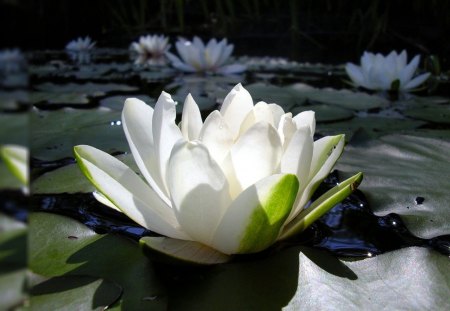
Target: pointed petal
216, 136
298, 155
225, 55
260, 113
191, 121
408, 72
181, 250
137, 124
417, 81
199, 190
236, 105
127, 191
286, 129
306, 118
254, 219
256, 154
322, 205
277, 112
16, 159
325, 155
165, 133
355, 73
104, 200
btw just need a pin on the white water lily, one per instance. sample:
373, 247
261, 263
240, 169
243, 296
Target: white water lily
80, 45
391, 72
152, 46
16, 159
195, 56
11, 61
234, 183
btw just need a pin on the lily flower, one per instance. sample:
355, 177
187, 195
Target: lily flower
80, 45
391, 72
151, 46
235, 183
16, 160
11, 61
212, 58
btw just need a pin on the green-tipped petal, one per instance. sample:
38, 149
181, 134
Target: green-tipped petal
187, 251
322, 205
16, 159
127, 191
254, 219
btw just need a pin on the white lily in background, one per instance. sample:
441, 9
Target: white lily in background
80, 45
152, 46
16, 159
234, 183
11, 61
391, 72
213, 57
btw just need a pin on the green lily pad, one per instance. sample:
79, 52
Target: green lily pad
12, 262
60, 246
406, 279
55, 133
74, 93
116, 102
14, 128
342, 98
70, 179
325, 113
372, 127
435, 113
397, 170
73, 293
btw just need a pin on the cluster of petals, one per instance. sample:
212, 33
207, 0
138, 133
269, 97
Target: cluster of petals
212, 57
80, 45
153, 46
391, 72
235, 182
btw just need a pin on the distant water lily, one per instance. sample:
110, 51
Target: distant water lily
151, 46
235, 183
80, 45
195, 56
16, 159
391, 72
11, 60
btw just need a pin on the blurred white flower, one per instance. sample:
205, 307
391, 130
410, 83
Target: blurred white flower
391, 72
235, 183
11, 61
80, 45
151, 46
195, 56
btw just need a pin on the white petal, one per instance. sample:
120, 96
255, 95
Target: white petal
286, 129
165, 133
417, 81
254, 219
216, 136
298, 155
191, 121
236, 105
355, 73
199, 190
104, 200
137, 124
225, 55
277, 112
408, 72
306, 118
260, 113
325, 155
256, 154
127, 191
